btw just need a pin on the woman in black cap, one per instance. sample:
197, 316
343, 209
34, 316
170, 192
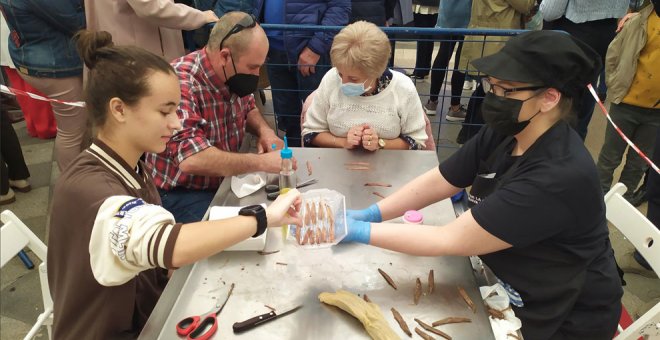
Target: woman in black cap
537, 215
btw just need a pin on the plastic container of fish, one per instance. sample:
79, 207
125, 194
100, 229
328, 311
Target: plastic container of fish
324, 220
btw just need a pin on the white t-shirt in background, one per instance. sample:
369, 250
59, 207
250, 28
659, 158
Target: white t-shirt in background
5, 59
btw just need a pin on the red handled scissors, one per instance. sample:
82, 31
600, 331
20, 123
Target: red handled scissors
202, 326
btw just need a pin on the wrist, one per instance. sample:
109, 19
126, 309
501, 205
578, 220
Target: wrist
259, 213
374, 213
270, 218
255, 162
361, 232
381, 143
342, 143
253, 223
265, 131
338, 142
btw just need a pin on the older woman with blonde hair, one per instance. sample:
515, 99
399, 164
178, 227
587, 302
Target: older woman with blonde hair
360, 103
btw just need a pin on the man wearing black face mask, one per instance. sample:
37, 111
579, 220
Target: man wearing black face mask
216, 109
537, 214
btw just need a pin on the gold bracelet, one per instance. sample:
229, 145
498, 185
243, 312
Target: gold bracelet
334, 141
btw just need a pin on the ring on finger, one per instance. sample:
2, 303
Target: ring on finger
369, 143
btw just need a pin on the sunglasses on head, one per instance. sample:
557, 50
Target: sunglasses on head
247, 22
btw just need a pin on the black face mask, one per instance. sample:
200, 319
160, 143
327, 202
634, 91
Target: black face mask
242, 84
656, 6
501, 114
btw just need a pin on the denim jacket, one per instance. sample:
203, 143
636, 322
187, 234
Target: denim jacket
222, 7
40, 35
310, 12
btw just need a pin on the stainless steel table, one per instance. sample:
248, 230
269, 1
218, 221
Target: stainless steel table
298, 275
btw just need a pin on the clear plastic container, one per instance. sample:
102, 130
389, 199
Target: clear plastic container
324, 220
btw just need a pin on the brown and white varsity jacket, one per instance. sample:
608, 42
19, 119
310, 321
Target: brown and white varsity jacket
108, 243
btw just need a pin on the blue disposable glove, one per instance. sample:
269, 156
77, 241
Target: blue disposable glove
358, 231
371, 214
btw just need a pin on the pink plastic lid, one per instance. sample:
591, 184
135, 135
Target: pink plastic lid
413, 216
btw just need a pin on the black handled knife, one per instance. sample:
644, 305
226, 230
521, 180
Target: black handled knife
262, 319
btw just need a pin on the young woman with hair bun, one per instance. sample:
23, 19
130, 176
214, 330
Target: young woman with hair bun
108, 266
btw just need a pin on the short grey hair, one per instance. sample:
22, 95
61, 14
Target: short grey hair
361, 45
239, 42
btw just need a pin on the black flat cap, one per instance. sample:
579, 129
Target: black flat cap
547, 58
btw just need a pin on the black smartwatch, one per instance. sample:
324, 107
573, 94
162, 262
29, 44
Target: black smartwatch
259, 212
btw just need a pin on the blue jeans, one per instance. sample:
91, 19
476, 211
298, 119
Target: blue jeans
290, 89
186, 205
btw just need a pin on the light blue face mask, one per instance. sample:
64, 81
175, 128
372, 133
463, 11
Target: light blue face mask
354, 89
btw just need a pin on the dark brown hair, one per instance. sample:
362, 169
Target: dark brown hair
114, 71
566, 109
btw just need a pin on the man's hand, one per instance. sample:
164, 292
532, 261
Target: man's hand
623, 21
266, 140
271, 162
210, 16
307, 62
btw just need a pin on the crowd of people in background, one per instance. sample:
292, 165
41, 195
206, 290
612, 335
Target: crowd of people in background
296, 61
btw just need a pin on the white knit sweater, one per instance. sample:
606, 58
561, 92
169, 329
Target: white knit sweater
395, 111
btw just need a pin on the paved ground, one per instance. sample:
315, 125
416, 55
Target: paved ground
20, 300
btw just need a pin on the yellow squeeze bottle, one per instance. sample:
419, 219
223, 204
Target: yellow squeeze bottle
287, 176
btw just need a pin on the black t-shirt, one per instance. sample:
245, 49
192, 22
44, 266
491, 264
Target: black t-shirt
550, 208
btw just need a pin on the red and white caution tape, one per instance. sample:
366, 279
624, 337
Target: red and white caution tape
13, 91
17, 92
630, 143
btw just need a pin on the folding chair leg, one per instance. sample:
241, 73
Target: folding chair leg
26, 260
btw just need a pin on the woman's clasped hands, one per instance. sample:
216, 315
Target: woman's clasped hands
362, 135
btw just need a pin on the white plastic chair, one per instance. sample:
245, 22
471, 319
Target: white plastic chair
646, 239
15, 236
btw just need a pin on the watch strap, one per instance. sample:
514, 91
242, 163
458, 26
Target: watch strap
259, 213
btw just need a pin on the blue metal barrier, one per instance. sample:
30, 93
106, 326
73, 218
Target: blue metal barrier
444, 131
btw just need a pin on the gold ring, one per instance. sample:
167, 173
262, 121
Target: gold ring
369, 143
369, 137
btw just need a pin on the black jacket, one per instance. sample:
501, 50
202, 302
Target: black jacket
374, 11
430, 3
